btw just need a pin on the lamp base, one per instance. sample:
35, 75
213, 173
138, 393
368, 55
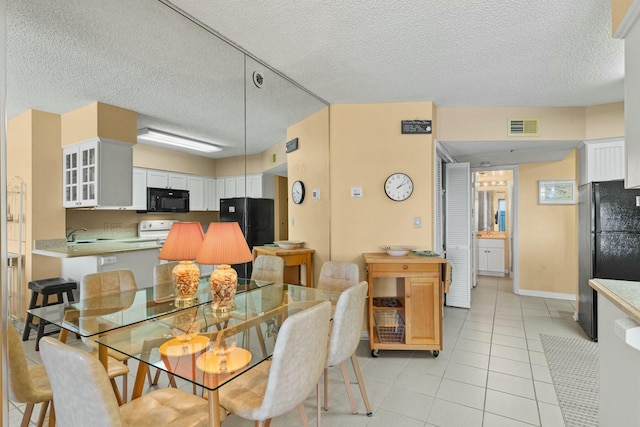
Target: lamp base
224, 283
184, 302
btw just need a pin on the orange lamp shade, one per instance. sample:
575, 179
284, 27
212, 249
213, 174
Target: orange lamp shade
224, 243
183, 242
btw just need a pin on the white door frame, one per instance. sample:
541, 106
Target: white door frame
514, 215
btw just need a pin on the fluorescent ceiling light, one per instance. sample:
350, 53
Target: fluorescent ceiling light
152, 135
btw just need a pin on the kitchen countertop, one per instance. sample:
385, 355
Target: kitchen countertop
58, 248
492, 235
623, 294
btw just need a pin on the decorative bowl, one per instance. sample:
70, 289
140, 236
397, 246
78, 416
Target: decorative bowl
398, 250
289, 244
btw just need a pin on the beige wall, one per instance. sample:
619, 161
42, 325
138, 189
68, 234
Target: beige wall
490, 124
604, 121
33, 147
367, 147
145, 156
618, 9
98, 119
311, 220
547, 234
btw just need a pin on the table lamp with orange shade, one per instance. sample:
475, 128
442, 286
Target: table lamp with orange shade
223, 245
182, 244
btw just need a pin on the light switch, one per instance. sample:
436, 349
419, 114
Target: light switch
315, 194
356, 192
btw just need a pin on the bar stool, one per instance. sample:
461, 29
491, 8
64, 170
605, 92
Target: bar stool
46, 287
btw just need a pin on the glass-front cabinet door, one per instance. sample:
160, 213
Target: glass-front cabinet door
80, 174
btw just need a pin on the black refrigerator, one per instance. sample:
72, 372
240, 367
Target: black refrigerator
608, 242
255, 217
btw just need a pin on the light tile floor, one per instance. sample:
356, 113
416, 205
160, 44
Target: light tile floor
492, 371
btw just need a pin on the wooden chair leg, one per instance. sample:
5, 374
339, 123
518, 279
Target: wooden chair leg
318, 408
303, 415
43, 413
363, 392
114, 385
52, 416
326, 388
347, 384
28, 410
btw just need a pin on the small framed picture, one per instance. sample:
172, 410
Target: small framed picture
557, 192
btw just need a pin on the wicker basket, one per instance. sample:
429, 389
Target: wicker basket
389, 326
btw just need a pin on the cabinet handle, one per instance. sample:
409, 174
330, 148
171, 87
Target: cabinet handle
407, 296
404, 267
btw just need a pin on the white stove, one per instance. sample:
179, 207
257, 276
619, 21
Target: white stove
157, 229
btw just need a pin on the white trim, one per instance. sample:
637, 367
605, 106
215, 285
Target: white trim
628, 20
545, 294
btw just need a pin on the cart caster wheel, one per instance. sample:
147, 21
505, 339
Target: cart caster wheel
436, 353
374, 353
369, 414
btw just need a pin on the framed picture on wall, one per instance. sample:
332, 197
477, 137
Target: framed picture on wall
557, 192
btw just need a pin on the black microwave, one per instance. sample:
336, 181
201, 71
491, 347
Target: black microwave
167, 200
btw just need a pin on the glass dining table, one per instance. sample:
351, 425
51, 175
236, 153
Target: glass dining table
194, 343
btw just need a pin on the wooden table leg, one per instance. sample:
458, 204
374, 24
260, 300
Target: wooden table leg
214, 408
141, 376
307, 267
63, 335
103, 356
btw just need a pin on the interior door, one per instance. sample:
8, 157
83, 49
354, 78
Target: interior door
458, 232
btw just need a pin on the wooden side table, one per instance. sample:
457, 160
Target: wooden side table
293, 259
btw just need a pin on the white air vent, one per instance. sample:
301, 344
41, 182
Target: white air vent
524, 127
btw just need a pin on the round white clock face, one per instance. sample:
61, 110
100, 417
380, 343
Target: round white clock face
398, 187
297, 192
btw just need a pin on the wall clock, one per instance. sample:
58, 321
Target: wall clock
297, 192
398, 187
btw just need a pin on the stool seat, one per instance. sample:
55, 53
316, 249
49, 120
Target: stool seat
53, 285
57, 286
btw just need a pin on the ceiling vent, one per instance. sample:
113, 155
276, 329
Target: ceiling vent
524, 127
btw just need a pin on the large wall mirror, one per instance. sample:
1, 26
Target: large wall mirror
149, 57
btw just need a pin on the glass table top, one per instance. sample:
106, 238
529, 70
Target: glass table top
95, 316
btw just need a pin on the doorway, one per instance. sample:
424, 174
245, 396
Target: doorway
494, 222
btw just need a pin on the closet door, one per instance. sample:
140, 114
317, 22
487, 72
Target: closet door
458, 232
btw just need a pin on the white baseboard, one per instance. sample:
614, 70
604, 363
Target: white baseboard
545, 294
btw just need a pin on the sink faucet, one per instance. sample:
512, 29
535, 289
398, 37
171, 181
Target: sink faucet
71, 236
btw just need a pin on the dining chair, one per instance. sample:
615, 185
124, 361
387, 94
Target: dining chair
82, 395
277, 386
268, 268
163, 282
337, 276
104, 284
344, 339
27, 384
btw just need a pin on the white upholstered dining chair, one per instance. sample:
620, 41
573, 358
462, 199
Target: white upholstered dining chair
268, 268
83, 397
338, 276
345, 336
277, 386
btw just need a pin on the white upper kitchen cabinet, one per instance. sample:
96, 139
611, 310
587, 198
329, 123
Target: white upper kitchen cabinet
230, 187
241, 186
220, 192
164, 179
601, 160
197, 196
210, 194
139, 189
260, 185
97, 172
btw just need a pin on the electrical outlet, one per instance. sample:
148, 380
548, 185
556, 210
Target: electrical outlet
417, 222
107, 226
116, 226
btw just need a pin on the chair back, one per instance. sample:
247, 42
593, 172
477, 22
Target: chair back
82, 393
22, 389
338, 276
298, 360
269, 268
163, 282
107, 283
347, 323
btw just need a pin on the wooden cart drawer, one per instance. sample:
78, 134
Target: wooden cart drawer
404, 267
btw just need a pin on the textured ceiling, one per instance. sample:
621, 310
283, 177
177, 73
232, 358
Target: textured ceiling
144, 56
